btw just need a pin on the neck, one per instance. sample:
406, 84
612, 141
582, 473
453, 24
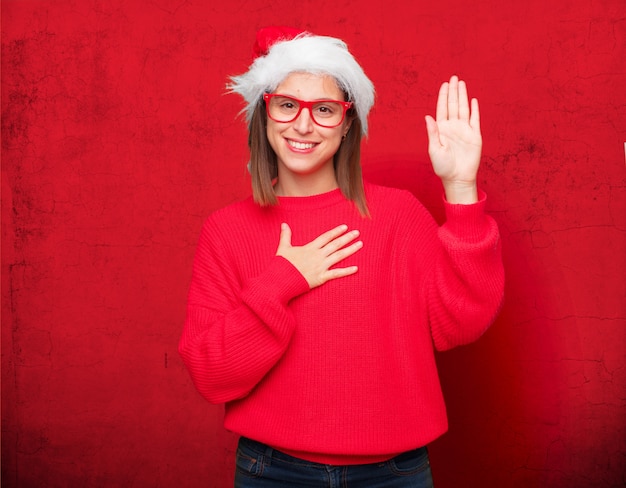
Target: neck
304, 185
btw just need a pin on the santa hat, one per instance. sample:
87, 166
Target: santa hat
280, 51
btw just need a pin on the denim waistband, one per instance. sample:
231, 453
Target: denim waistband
270, 452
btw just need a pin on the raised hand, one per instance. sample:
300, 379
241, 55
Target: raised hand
455, 142
315, 259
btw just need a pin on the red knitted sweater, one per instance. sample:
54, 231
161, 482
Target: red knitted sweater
343, 373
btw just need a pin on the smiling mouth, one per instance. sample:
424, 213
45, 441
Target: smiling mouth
301, 145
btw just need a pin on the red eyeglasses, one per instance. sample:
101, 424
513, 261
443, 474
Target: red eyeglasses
325, 113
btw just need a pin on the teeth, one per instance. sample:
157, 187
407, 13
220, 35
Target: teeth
301, 145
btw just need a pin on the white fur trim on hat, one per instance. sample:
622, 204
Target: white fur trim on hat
309, 54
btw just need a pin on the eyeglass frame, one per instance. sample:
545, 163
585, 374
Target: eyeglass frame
267, 97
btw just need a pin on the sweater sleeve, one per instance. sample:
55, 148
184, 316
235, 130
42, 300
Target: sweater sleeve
236, 329
467, 286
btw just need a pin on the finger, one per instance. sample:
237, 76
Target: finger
464, 109
343, 253
442, 102
453, 98
285, 236
329, 236
474, 120
433, 133
341, 241
333, 274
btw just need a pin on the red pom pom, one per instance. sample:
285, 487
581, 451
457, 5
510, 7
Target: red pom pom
268, 36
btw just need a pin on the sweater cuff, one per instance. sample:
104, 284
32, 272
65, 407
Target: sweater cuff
467, 222
280, 281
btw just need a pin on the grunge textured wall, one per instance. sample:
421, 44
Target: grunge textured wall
118, 140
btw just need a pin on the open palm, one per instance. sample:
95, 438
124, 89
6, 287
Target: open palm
454, 138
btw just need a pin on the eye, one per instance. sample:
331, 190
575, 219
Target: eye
325, 109
285, 104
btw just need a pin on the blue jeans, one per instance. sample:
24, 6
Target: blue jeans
260, 466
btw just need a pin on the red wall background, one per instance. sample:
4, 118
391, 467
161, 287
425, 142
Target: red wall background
118, 140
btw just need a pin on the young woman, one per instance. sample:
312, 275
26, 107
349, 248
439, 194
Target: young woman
316, 304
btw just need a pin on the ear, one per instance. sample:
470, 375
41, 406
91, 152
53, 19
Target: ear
347, 127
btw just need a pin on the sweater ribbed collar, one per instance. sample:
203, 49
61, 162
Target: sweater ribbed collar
321, 200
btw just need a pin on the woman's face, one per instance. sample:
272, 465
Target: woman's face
304, 149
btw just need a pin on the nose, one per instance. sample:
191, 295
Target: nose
304, 122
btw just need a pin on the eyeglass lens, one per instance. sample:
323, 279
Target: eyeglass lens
325, 113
